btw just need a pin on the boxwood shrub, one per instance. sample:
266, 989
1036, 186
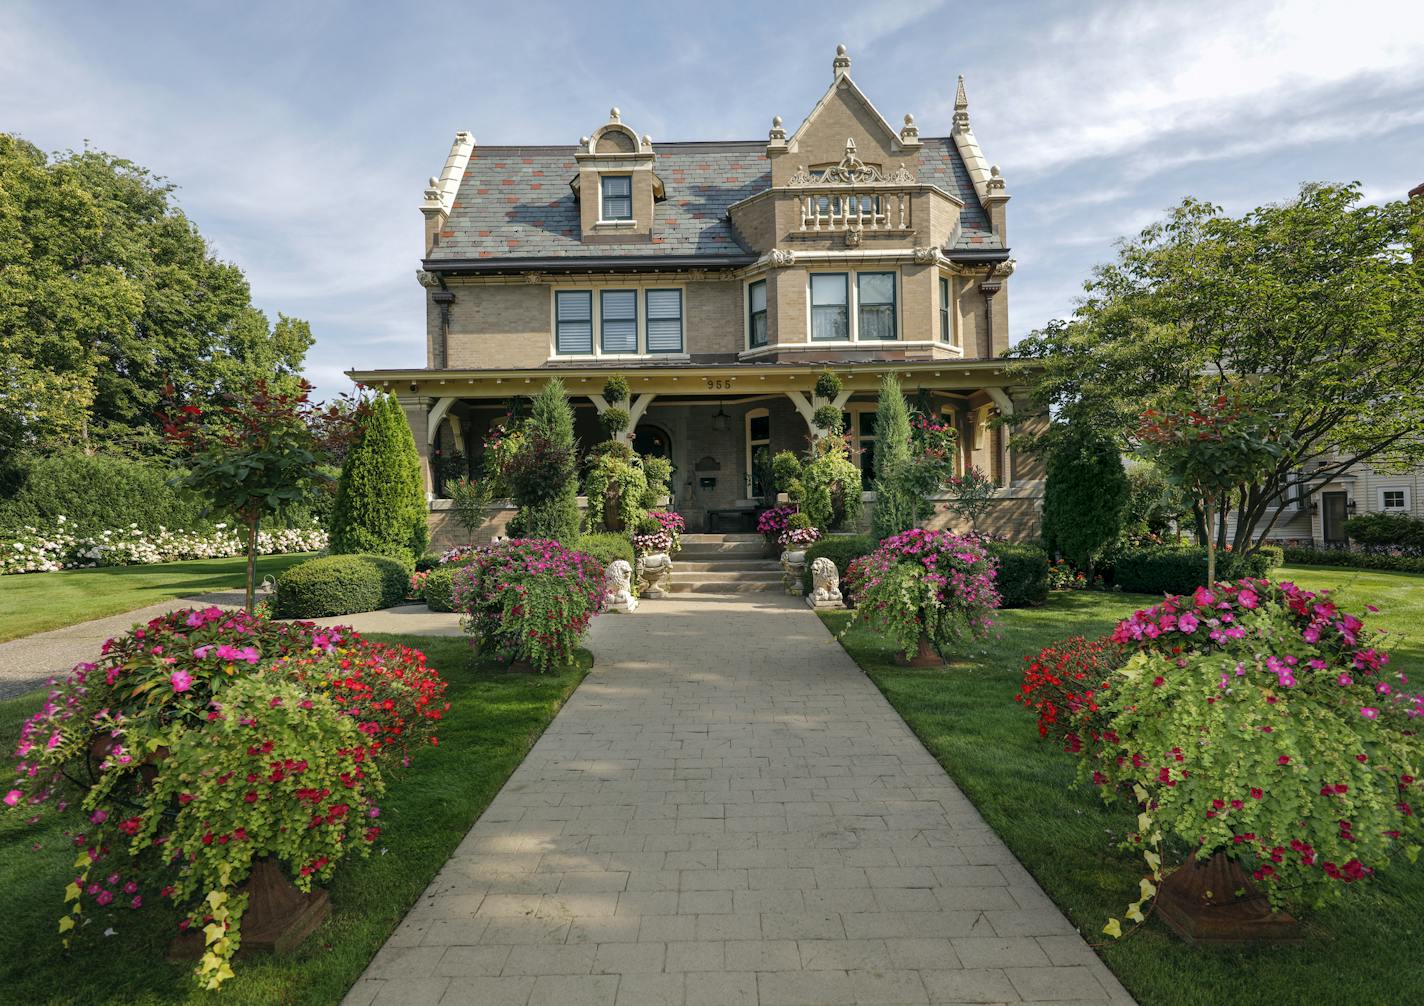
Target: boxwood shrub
840, 549
439, 584
606, 546
1274, 555
1387, 530
1181, 570
340, 585
1023, 573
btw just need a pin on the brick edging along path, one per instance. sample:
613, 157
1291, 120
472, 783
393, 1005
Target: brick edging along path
727, 811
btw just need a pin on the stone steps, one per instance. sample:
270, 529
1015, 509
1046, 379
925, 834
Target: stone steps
723, 564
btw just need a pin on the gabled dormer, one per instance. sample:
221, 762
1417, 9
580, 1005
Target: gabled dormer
616, 185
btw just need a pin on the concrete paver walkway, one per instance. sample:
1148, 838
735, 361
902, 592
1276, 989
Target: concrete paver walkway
727, 811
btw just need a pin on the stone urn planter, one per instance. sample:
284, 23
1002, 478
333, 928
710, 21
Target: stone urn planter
1215, 903
279, 916
654, 572
793, 564
925, 656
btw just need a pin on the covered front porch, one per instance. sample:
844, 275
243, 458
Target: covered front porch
719, 426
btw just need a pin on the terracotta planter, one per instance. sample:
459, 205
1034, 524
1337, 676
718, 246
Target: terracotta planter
612, 511
521, 667
1214, 902
278, 917
926, 656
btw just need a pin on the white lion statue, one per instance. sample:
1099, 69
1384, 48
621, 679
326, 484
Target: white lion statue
825, 584
653, 572
618, 586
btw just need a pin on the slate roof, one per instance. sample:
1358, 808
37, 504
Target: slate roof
515, 202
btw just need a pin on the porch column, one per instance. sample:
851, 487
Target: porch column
1006, 454
636, 408
808, 411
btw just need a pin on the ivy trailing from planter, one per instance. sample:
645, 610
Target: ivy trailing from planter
616, 487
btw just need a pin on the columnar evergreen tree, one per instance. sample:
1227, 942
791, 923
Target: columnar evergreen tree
895, 505
1085, 494
380, 498
545, 482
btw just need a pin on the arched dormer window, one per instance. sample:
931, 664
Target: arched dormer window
616, 186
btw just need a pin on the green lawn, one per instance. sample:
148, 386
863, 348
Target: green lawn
494, 719
967, 718
34, 602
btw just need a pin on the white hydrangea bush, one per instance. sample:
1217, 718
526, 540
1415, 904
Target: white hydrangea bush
33, 550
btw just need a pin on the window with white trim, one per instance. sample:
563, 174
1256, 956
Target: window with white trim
573, 321
830, 307
756, 313
618, 321
875, 306
1394, 498
617, 193
946, 329
664, 312
865, 310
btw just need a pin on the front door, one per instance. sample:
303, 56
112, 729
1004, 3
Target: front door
1332, 511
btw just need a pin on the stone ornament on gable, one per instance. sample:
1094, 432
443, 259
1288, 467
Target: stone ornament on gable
653, 572
852, 236
825, 585
780, 258
852, 171
427, 279
925, 256
618, 587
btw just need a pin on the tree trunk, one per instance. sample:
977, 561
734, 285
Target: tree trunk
1208, 512
250, 600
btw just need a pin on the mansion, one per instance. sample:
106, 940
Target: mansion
719, 278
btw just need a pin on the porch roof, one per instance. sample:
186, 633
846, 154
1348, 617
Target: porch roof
710, 380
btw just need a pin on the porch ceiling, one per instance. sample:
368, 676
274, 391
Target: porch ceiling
695, 380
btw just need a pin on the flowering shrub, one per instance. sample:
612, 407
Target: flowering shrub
33, 551
673, 524
652, 541
529, 599
207, 739
771, 523
1062, 576
798, 537
417, 584
969, 495
929, 583
1260, 721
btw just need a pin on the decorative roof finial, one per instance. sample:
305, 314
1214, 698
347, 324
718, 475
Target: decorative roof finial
910, 134
776, 134
432, 190
961, 108
840, 66
996, 179
613, 114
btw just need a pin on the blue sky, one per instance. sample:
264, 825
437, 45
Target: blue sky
301, 134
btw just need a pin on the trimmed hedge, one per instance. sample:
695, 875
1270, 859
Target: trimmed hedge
606, 546
439, 588
101, 493
1274, 555
1355, 560
340, 585
840, 549
1173, 570
1385, 530
1023, 573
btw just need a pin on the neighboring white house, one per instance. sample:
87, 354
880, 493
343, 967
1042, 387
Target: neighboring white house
1317, 511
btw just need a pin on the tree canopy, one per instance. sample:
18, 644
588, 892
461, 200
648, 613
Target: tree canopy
1308, 313
109, 294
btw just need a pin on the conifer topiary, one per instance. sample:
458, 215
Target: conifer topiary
380, 499
552, 511
896, 505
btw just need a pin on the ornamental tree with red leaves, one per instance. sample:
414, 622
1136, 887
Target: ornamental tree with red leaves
255, 454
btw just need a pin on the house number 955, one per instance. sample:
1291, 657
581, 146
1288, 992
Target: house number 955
719, 383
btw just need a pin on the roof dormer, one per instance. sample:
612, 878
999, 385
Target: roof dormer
616, 185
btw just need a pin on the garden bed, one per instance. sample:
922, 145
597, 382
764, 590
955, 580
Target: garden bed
967, 718
494, 719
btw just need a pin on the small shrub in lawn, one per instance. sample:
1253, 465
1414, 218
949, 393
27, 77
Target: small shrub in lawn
1253, 720
340, 585
925, 583
205, 741
1022, 574
841, 549
439, 587
1272, 555
529, 600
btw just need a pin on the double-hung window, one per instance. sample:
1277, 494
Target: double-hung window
617, 197
946, 334
618, 321
664, 314
756, 307
573, 321
875, 298
830, 307
1394, 499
